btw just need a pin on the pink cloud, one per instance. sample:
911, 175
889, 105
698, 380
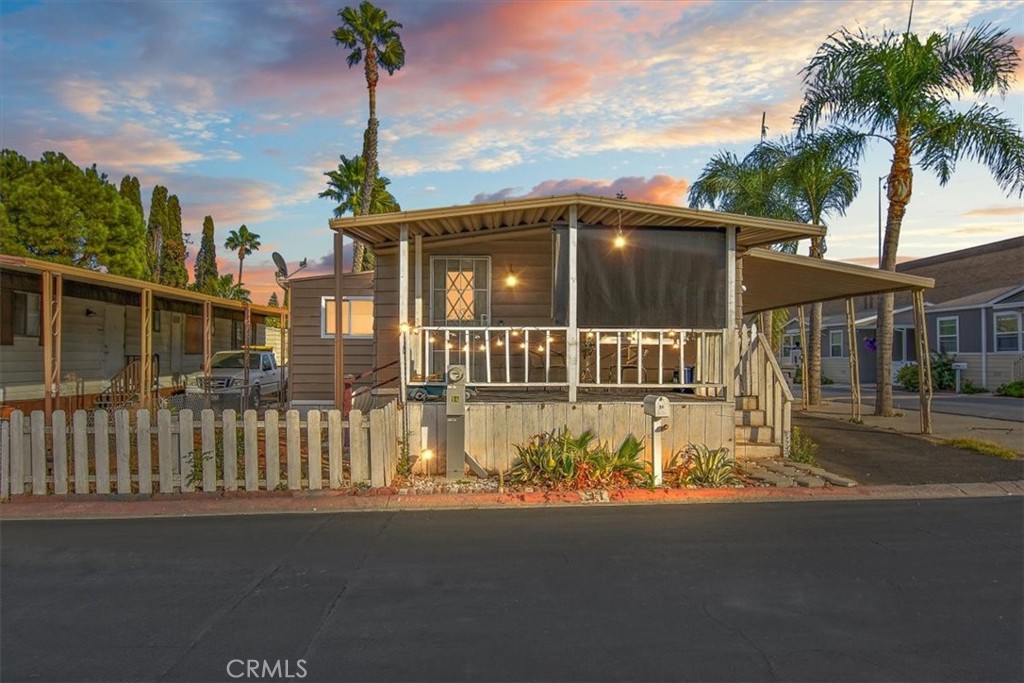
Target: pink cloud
660, 189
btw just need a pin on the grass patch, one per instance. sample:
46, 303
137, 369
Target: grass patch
983, 447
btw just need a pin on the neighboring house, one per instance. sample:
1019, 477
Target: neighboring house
312, 365
980, 283
94, 332
566, 311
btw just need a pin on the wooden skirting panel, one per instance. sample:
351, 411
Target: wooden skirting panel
494, 429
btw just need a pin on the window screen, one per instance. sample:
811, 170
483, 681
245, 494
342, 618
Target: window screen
660, 278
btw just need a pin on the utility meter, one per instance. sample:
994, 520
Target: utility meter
455, 392
455, 411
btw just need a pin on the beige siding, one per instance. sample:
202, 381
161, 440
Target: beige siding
529, 303
312, 362
836, 369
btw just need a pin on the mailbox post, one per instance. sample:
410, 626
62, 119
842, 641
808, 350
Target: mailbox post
656, 408
959, 367
455, 411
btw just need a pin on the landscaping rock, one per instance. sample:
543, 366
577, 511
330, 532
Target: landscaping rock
810, 482
836, 480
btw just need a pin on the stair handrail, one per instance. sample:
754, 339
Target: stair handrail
125, 386
778, 398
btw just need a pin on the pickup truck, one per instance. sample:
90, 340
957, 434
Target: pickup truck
227, 377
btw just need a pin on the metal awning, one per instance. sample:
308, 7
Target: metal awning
381, 230
776, 280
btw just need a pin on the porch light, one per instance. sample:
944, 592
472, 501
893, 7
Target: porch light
511, 280
620, 241
426, 454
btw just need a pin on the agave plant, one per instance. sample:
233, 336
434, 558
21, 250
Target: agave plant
560, 460
706, 467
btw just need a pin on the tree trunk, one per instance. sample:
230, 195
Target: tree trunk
898, 193
240, 259
358, 256
370, 136
813, 352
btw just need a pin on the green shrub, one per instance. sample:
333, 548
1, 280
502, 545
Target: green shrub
967, 387
561, 460
802, 447
1014, 389
943, 374
704, 467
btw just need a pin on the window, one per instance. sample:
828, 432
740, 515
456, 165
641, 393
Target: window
835, 343
949, 334
789, 341
1007, 331
27, 308
356, 319
460, 288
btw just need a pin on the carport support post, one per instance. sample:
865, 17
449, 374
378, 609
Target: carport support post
572, 341
339, 343
418, 313
403, 310
145, 347
802, 322
851, 335
924, 362
246, 343
207, 345
731, 326
52, 286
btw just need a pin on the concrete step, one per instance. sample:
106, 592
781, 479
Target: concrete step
750, 434
750, 418
747, 403
753, 451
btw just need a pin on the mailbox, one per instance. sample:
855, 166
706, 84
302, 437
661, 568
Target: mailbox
455, 392
656, 406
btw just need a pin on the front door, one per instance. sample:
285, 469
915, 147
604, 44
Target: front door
113, 340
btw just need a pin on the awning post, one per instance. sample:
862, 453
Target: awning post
851, 334
339, 344
145, 347
802, 322
572, 333
924, 362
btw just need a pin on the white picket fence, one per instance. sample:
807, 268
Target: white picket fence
181, 454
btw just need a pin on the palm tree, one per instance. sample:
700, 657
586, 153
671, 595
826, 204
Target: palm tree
899, 89
373, 40
225, 287
753, 186
244, 243
820, 177
345, 187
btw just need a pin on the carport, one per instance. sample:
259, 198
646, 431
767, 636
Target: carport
773, 279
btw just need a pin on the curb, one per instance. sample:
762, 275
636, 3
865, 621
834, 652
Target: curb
218, 504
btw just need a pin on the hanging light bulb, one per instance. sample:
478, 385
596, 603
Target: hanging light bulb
448, 345
522, 345
483, 347
498, 342
620, 239
540, 348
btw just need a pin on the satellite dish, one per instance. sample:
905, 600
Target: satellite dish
282, 267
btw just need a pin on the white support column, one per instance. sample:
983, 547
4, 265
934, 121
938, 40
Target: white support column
418, 319
984, 345
403, 307
572, 342
730, 317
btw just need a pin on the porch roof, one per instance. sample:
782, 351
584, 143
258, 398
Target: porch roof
383, 229
776, 280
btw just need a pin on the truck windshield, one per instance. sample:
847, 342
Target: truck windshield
235, 360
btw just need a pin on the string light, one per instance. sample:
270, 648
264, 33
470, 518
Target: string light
483, 347
540, 347
498, 342
522, 345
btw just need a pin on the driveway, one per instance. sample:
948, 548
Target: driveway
873, 456
860, 591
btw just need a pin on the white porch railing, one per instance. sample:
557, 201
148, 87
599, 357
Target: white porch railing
537, 356
758, 374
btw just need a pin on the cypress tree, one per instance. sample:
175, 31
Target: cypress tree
132, 191
206, 260
173, 271
155, 229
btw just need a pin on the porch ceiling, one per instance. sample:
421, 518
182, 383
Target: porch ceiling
383, 229
776, 280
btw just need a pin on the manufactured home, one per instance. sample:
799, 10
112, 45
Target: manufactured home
74, 338
568, 310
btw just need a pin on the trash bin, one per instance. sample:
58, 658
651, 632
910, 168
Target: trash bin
687, 378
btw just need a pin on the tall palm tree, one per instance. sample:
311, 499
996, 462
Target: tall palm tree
896, 88
244, 243
373, 40
819, 171
345, 186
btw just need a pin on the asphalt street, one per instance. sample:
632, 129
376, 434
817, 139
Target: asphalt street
893, 590
973, 405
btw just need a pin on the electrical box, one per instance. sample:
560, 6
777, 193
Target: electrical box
455, 392
656, 406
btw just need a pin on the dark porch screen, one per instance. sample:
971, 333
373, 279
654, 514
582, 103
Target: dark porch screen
661, 278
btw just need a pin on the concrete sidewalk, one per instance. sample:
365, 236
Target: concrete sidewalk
219, 504
944, 426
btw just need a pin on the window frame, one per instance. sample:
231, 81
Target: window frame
939, 335
1015, 315
329, 334
442, 320
832, 344
33, 310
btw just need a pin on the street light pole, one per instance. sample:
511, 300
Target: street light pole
881, 180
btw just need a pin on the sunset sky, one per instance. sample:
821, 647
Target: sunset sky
239, 107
